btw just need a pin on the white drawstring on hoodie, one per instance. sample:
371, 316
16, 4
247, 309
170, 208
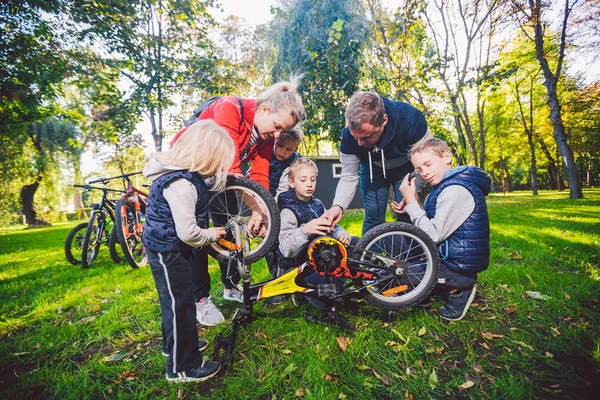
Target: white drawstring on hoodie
371, 163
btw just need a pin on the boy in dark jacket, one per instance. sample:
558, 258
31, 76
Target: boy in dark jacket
455, 216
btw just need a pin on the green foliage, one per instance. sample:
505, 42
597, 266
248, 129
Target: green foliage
63, 326
323, 41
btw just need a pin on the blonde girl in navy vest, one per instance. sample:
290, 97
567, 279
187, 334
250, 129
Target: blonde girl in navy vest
176, 222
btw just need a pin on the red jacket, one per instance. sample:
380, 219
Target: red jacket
226, 113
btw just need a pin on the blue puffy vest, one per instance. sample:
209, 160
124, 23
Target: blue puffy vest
468, 248
276, 169
305, 211
159, 232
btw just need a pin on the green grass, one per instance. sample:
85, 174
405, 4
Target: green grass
58, 324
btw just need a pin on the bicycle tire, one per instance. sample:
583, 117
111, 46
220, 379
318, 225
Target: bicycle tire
114, 246
91, 241
75, 238
417, 262
222, 210
131, 243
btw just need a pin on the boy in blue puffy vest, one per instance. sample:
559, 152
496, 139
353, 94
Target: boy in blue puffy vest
455, 216
302, 220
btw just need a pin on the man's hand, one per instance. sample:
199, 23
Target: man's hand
318, 226
408, 188
333, 215
345, 239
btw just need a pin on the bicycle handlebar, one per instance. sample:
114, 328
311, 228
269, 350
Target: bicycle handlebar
88, 187
104, 180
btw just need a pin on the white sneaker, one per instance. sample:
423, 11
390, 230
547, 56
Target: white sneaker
233, 294
207, 313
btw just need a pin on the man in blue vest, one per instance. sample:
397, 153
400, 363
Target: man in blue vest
374, 151
455, 216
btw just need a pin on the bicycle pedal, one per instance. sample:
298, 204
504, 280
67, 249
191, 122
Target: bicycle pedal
326, 290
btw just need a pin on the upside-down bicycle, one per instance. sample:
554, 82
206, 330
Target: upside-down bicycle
393, 265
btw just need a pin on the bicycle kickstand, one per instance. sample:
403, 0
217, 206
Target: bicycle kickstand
227, 343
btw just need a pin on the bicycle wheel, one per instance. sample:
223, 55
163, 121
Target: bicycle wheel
116, 253
74, 243
92, 240
241, 198
409, 261
129, 233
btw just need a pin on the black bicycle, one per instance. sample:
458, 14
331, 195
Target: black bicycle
74, 242
98, 230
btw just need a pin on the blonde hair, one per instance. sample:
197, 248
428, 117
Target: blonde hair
205, 148
284, 95
437, 147
294, 134
301, 163
364, 107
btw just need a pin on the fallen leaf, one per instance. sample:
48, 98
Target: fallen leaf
409, 396
385, 380
477, 368
537, 295
490, 336
433, 379
407, 371
422, 331
556, 331
95, 309
511, 309
286, 352
333, 378
261, 334
118, 356
567, 296
22, 353
485, 345
299, 392
524, 345
466, 385
515, 256
180, 393
86, 319
549, 355
289, 369
342, 396
343, 342
129, 375
363, 367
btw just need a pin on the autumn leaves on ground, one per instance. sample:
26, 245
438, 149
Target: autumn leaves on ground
532, 331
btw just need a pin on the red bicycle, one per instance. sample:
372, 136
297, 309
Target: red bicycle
130, 214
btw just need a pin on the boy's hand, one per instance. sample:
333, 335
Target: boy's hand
399, 207
345, 239
318, 226
408, 188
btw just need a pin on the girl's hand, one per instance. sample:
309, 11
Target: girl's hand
220, 232
345, 239
399, 207
318, 226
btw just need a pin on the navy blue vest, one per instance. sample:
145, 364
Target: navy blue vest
159, 232
276, 169
468, 248
305, 211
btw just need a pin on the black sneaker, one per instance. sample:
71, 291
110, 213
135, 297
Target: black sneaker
424, 304
276, 299
199, 373
457, 304
202, 344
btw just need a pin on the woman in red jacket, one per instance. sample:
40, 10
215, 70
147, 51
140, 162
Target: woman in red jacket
253, 125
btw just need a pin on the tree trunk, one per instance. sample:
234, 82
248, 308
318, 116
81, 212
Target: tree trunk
534, 184
27, 196
552, 169
550, 82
